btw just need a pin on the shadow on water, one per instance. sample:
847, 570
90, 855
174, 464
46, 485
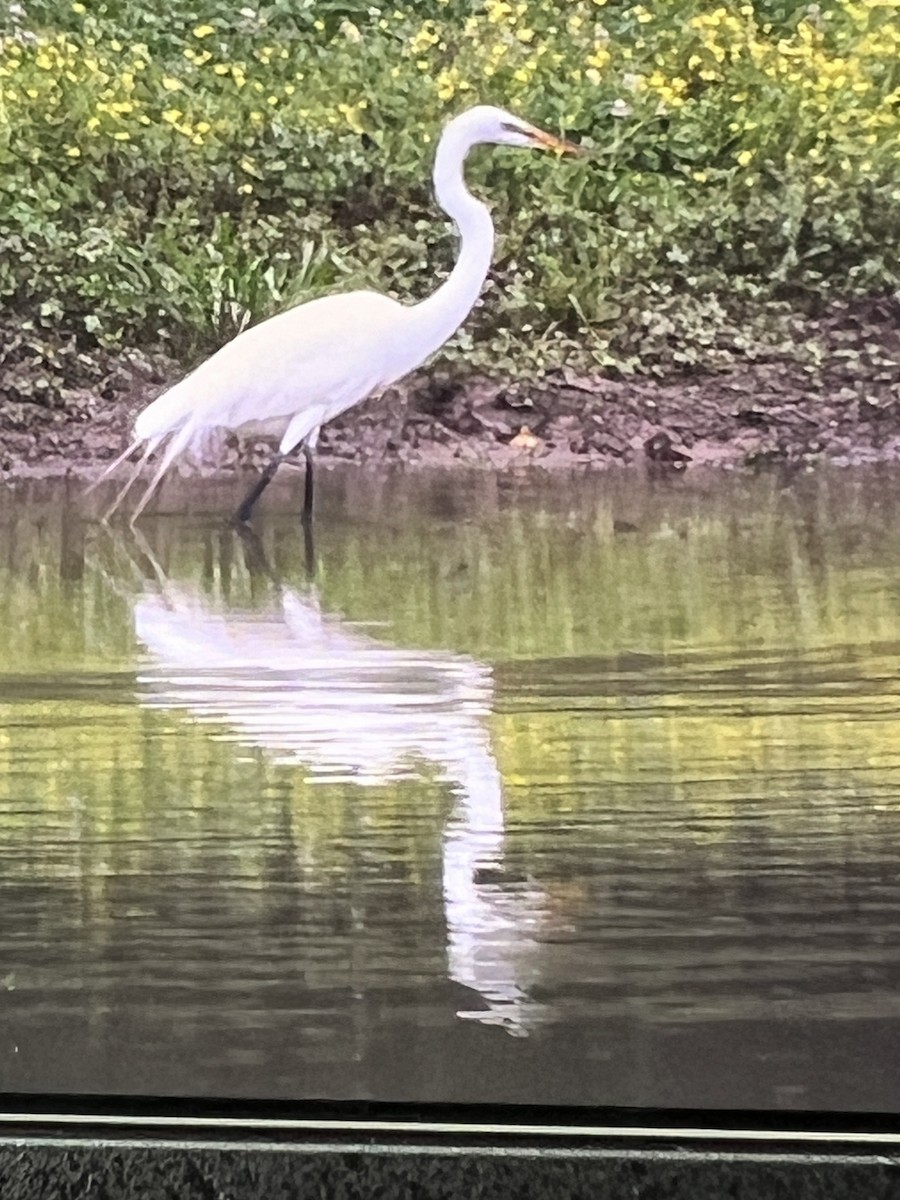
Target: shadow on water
612, 763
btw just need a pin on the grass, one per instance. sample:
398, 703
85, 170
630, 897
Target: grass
165, 179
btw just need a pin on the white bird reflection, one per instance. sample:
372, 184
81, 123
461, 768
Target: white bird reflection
312, 689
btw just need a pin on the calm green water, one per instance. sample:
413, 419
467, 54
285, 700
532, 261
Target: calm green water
550, 790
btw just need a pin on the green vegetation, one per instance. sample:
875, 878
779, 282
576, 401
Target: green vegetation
166, 177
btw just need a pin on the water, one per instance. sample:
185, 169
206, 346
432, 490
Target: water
555, 790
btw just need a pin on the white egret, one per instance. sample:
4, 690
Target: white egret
288, 375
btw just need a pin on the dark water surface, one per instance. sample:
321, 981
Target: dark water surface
548, 790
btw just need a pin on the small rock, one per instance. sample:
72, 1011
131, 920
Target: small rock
525, 440
661, 449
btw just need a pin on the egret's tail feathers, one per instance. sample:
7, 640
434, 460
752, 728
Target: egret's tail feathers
167, 414
108, 470
126, 487
179, 441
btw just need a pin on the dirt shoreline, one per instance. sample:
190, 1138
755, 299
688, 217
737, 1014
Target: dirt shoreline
844, 408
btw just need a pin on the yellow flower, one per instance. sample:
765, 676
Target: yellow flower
202, 31
172, 115
92, 123
700, 176
245, 189
744, 158
427, 36
121, 136
351, 114
445, 85
203, 127
221, 69
73, 152
78, 8
171, 84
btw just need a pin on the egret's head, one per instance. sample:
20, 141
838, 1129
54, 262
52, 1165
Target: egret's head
496, 126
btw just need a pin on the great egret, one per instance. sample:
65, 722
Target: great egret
288, 375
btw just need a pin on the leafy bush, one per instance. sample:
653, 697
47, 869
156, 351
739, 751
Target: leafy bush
166, 177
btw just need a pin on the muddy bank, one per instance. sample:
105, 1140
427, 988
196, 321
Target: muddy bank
844, 406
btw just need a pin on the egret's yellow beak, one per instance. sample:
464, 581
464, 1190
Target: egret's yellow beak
547, 141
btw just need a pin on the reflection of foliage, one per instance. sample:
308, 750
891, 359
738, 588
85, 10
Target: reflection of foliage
168, 176
682, 708
707, 644
496, 570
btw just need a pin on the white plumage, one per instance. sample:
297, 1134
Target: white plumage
296, 351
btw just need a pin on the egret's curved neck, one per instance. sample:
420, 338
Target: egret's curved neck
437, 318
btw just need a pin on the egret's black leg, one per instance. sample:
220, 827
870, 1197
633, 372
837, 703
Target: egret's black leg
246, 506
308, 486
309, 549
